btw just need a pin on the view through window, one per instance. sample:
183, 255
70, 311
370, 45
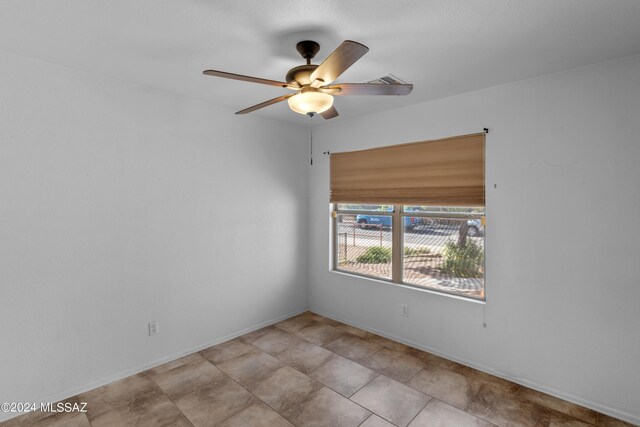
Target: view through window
439, 248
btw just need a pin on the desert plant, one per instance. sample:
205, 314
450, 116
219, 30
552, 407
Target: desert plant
375, 255
408, 251
463, 260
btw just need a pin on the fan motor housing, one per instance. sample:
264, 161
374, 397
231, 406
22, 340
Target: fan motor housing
300, 74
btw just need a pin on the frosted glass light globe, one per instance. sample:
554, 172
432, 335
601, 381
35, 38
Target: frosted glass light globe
310, 102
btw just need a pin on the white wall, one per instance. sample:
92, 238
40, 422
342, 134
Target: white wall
563, 242
113, 212
120, 205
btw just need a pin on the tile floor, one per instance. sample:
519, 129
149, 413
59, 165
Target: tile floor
314, 371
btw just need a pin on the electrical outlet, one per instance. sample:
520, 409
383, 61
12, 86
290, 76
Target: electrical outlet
154, 329
405, 310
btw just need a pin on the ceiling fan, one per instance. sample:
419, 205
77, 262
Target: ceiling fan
312, 84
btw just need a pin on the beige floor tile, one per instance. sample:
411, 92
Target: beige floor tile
353, 347
190, 358
319, 333
443, 384
559, 419
228, 350
432, 359
313, 317
325, 320
151, 410
343, 375
212, 404
45, 419
376, 421
185, 375
251, 336
559, 405
352, 330
251, 368
326, 408
607, 421
308, 384
276, 340
506, 410
294, 324
391, 400
305, 357
479, 378
284, 388
257, 415
394, 364
439, 414
308, 315
119, 393
386, 342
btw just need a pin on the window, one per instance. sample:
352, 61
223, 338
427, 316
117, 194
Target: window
437, 245
364, 239
440, 248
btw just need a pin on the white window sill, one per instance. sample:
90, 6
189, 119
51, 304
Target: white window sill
414, 288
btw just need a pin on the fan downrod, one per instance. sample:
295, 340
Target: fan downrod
300, 74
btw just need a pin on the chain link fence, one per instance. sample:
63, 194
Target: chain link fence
446, 254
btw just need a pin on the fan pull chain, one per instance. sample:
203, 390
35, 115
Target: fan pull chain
311, 144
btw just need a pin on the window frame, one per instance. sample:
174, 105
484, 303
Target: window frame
397, 215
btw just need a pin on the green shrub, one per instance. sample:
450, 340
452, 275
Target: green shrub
463, 261
375, 255
416, 251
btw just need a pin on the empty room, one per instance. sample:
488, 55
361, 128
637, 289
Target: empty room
317, 213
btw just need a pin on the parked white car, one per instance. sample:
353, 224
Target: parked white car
475, 228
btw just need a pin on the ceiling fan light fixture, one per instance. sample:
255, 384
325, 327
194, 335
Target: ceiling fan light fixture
310, 102
314, 83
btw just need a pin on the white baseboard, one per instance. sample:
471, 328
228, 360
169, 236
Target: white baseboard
56, 397
634, 419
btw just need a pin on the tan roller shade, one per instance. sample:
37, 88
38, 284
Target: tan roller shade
443, 172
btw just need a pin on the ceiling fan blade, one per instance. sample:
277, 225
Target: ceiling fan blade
331, 90
369, 89
264, 104
243, 78
337, 63
330, 113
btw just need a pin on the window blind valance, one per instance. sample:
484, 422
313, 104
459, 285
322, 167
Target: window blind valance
443, 172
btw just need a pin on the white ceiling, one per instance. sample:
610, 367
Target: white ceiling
443, 47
